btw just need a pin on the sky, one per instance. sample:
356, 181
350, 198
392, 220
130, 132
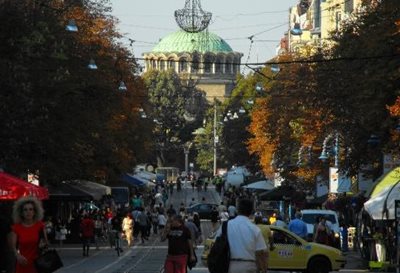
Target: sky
147, 21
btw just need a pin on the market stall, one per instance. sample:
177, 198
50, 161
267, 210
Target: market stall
13, 188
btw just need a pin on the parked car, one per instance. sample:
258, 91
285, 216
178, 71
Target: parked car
203, 209
292, 253
309, 216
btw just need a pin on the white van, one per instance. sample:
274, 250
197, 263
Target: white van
309, 216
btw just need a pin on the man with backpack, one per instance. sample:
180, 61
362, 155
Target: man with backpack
248, 250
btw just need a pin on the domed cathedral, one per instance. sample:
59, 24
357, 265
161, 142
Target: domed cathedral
197, 54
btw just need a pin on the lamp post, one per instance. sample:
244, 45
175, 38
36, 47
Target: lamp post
215, 139
324, 155
186, 150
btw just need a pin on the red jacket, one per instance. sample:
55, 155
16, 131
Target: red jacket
87, 227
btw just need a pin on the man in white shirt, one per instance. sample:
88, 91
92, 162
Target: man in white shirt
249, 253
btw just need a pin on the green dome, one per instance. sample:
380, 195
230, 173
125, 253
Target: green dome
181, 41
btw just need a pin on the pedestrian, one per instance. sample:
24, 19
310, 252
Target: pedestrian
127, 228
182, 210
221, 207
26, 233
224, 215
60, 232
298, 226
279, 222
154, 221
180, 246
193, 184
322, 232
196, 221
87, 233
142, 220
248, 250
214, 217
194, 231
162, 221
192, 202
116, 230
232, 211
98, 229
171, 211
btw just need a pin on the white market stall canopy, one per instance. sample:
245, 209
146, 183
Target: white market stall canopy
381, 206
260, 185
96, 190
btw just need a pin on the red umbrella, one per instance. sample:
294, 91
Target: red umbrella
12, 188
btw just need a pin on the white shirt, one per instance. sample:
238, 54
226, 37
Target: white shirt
162, 221
244, 238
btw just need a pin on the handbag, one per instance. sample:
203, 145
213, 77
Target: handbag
48, 262
190, 263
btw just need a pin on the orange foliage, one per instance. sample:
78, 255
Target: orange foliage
394, 110
260, 144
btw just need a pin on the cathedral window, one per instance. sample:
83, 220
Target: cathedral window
183, 65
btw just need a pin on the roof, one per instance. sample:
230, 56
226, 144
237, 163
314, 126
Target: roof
181, 41
388, 179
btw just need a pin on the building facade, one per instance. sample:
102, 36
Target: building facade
201, 56
318, 20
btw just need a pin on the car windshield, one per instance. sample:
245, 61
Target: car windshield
310, 218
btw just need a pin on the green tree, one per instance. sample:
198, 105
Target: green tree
172, 105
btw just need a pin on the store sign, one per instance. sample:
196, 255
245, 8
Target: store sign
338, 182
365, 178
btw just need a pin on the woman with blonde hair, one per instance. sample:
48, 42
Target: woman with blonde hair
26, 233
127, 228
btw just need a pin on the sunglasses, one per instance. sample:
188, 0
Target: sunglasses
28, 209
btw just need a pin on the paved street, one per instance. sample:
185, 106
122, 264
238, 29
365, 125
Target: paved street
142, 258
149, 257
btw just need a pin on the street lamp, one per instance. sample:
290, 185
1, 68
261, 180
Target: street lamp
71, 27
324, 154
216, 139
186, 150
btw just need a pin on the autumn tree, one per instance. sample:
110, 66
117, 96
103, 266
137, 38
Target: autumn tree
58, 116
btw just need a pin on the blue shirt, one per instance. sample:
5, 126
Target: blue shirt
298, 227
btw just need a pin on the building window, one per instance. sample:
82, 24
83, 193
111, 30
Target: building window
317, 13
348, 6
183, 65
218, 65
153, 64
338, 19
195, 63
162, 65
171, 64
228, 67
208, 63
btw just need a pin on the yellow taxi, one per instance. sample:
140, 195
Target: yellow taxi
289, 252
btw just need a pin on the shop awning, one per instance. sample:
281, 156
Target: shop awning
136, 180
63, 191
381, 204
260, 185
278, 194
13, 188
96, 190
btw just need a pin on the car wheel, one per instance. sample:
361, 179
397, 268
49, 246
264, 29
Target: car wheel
319, 265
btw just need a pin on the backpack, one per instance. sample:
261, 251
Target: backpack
219, 257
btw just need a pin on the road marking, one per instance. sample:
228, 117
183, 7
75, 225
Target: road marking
127, 253
82, 261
